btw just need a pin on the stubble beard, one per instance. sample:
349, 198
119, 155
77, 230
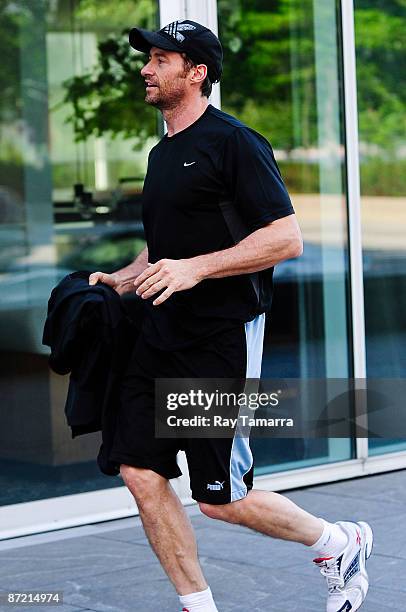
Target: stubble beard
168, 95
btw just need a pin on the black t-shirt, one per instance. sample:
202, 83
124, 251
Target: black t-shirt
189, 174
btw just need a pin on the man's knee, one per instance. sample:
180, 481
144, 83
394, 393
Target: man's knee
222, 512
144, 484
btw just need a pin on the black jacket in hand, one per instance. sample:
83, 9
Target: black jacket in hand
91, 335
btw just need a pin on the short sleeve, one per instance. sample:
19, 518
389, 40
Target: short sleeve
253, 180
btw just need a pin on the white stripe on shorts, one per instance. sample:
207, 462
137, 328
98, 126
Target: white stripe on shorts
241, 459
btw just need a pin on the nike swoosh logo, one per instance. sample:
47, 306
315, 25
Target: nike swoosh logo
186, 164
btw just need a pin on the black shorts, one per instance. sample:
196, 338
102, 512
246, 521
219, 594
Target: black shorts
220, 469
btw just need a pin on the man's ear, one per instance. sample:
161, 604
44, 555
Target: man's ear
199, 73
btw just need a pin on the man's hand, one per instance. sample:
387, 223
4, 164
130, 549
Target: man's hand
109, 279
169, 274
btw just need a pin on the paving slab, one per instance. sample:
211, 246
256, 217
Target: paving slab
390, 487
251, 550
340, 508
53, 563
135, 535
59, 608
390, 536
127, 590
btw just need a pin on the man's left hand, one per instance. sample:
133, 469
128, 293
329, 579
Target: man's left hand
174, 274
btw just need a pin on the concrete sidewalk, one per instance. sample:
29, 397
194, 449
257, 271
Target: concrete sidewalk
109, 566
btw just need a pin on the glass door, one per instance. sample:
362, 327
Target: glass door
381, 55
283, 77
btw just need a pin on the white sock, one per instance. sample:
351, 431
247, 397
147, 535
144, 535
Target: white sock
331, 542
199, 602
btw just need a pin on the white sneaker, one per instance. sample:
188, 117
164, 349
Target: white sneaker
347, 578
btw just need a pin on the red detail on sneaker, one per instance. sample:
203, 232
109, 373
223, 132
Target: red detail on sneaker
358, 538
185, 610
320, 559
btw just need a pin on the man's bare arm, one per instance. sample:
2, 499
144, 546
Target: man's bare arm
123, 280
265, 247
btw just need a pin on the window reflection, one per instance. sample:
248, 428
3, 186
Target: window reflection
74, 139
381, 54
283, 77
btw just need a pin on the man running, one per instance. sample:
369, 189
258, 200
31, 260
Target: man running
216, 215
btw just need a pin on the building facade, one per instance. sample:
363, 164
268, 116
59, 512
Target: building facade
321, 79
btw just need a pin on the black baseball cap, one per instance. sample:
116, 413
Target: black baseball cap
189, 37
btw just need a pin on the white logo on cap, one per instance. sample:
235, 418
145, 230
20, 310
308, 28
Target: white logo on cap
186, 26
174, 29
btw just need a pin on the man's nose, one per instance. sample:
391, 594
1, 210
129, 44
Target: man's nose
146, 70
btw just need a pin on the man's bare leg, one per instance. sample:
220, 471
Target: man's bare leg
341, 548
167, 527
269, 513
171, 535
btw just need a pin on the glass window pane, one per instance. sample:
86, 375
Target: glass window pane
283, 77
381, 55
74, 138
